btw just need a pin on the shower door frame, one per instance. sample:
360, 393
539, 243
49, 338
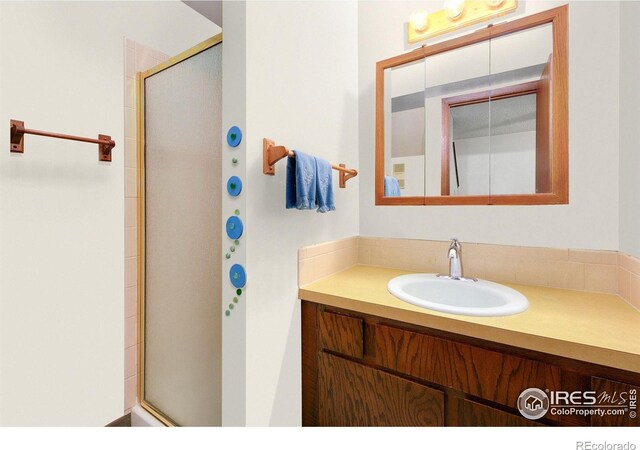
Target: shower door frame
140, 92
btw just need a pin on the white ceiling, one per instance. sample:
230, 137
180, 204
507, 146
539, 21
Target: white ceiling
503, 116
212, 10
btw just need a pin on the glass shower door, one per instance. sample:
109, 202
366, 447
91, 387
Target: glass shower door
180, 380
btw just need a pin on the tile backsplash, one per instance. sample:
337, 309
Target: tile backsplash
585, 270
319, 261
629, 279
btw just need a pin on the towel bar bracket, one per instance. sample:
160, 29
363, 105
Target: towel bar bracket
346, 176
105, 147
17, 132
17, 136
271, 154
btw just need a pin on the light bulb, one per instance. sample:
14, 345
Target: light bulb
454, 8
494, 3
419, 20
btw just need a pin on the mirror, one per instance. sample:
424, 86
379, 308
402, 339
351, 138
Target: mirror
480, 119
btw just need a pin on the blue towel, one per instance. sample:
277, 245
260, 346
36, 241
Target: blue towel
309, 183
324, 193
301, 181
391, 187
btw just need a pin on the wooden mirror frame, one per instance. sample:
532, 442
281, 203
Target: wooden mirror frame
559, 192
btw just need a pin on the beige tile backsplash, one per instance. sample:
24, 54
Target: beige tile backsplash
586, 270
319, 261
629, 279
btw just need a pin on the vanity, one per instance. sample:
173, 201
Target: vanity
369, 359
479, 119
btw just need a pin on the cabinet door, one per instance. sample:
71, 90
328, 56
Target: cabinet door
352, 394
491, 375
466, 413
614, 393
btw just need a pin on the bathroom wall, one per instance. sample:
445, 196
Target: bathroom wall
301, 92
234, 101
593, 140
61, 212
629, 130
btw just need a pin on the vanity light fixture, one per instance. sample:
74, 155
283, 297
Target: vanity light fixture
454, 8
456, 14
419, 20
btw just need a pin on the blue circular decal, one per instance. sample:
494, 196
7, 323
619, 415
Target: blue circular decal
234, 136
234, 186
234, 227
237, 276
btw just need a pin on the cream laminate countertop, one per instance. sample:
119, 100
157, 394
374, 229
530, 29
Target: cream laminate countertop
587, 326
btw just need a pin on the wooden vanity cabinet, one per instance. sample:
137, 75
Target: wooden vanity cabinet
361, 370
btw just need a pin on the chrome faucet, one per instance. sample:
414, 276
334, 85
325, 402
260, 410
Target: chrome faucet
455, 262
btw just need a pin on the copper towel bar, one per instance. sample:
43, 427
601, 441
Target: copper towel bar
105, 143
272, 153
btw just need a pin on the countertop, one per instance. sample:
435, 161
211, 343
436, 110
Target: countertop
587, 326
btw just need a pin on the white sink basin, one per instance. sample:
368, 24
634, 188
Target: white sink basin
479, 298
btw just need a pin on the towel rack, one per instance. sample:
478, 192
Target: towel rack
272, 153
105, 143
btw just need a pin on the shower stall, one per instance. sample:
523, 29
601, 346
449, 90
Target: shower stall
179, 232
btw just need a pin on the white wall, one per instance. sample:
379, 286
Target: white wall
593, 140
61, 212
499, 164
629, 128
301, 92
234, 102
413, 174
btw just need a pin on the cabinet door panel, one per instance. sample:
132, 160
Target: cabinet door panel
494, 376
616, 390
341, 334
466, 413
352, 394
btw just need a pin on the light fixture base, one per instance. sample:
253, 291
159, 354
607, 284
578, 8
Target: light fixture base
474, 12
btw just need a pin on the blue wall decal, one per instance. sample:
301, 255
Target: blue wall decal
237, 276
234, 227
234, 136
234, 186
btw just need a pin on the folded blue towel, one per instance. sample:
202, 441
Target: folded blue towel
309, 183
391, 187
324, 193
301, 181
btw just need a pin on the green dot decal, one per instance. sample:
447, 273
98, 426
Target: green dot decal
233, 249
230, 305
237, 212
235, 299
234, 160
233, 185
239, 291
227, 313
227, 256
233, 136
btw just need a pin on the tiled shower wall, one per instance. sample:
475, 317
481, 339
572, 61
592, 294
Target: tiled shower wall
137, 58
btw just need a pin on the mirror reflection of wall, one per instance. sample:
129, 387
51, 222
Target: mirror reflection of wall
493, 146
490, 100
404, 132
